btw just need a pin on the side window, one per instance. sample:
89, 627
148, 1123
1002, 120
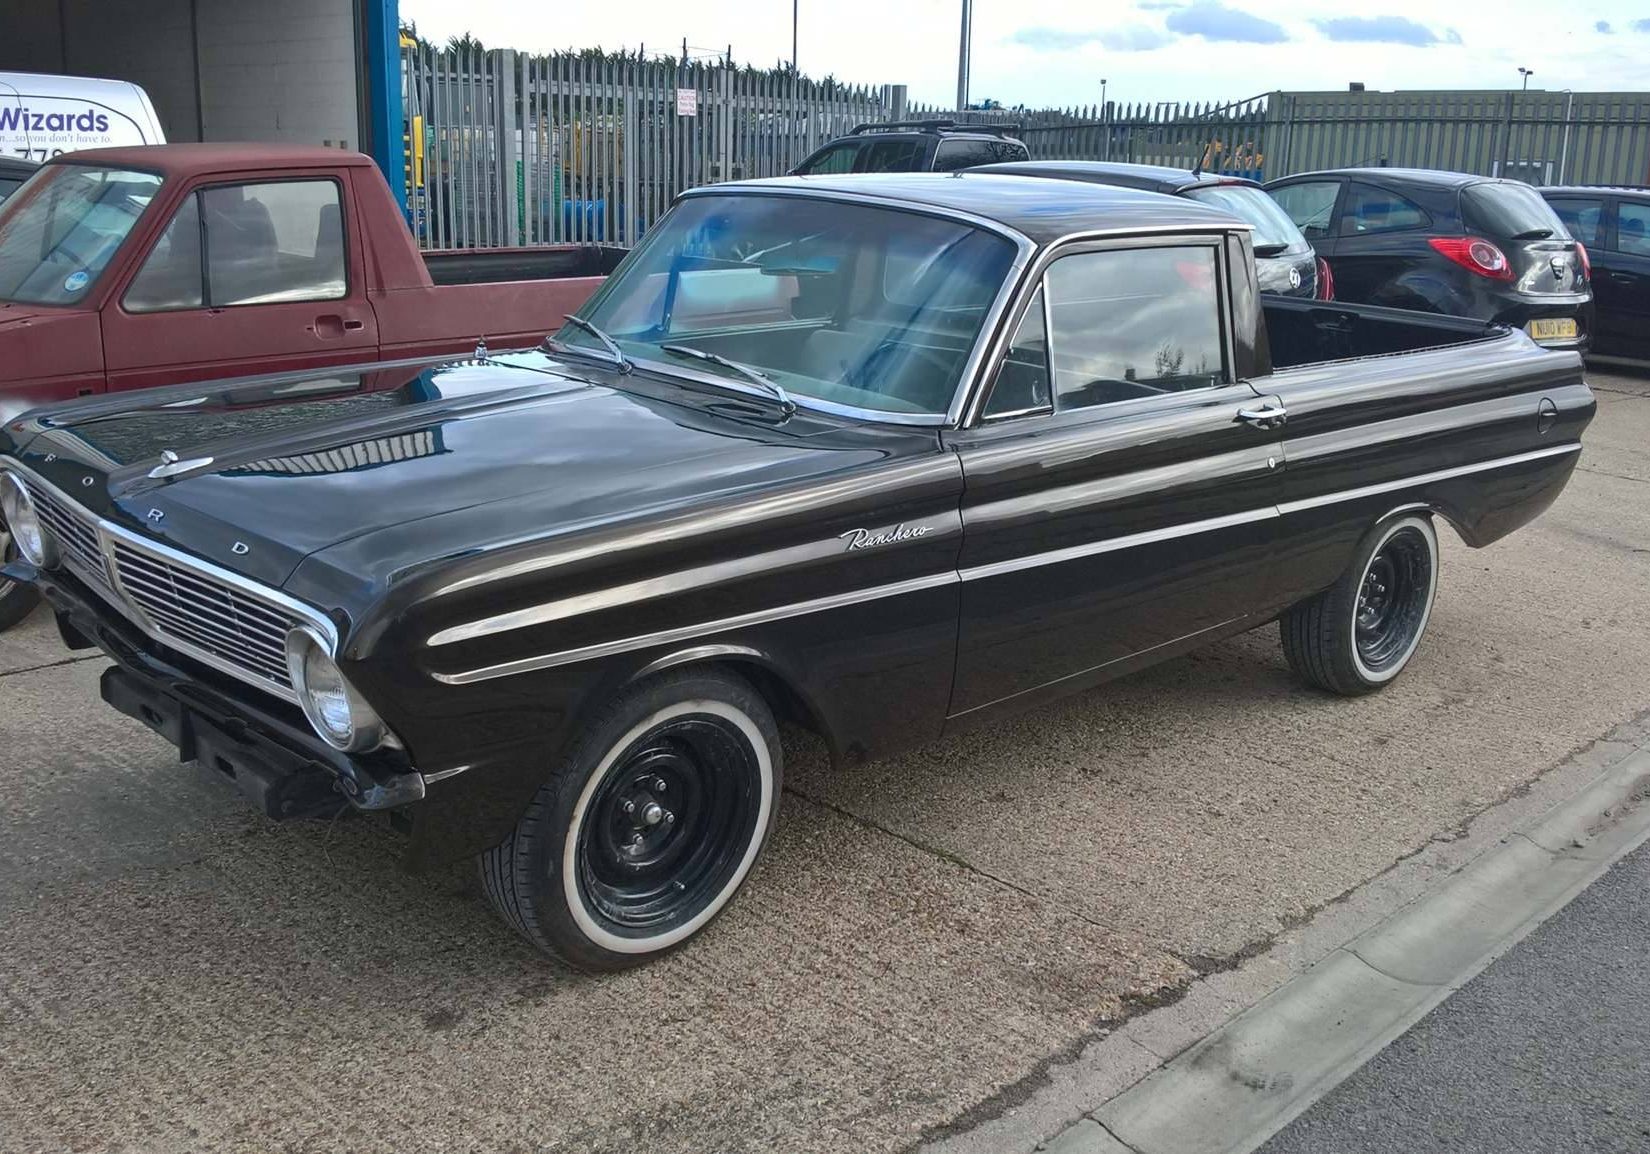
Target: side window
1370, 209
953, 154
1581, 217
892, 154
1133, 323
1022, 379
270, 243
171, 277
838, 158
1633, 228
1310, 205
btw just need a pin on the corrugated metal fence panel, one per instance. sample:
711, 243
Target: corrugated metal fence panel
592, 148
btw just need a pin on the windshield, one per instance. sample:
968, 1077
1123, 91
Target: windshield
849, 304
1272, 225
1511, 211
59, 232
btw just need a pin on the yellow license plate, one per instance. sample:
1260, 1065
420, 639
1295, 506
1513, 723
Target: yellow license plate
1552, 329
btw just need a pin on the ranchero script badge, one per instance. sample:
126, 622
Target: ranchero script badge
869, 538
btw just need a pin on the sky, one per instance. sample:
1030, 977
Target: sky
1054, 53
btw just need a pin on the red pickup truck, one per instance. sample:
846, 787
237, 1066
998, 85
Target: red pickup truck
123, 268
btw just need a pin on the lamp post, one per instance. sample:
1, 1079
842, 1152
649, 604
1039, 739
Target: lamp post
1526, 73
962, 54
794, 4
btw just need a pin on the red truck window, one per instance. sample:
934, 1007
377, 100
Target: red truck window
260, 244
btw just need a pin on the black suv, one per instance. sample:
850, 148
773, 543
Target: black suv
1446, 242
1614, 224
1284, 261
915, 146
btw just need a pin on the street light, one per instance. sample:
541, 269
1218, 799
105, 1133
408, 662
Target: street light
1526, 73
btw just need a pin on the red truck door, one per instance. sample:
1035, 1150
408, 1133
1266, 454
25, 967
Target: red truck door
249, 276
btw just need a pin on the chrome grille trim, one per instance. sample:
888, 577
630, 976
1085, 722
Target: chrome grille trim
214, 615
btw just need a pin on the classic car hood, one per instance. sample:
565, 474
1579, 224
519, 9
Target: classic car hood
267, 474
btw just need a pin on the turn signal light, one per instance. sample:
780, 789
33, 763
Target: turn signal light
1475, 255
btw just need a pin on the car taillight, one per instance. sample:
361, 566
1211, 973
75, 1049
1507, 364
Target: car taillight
1586, 262
1326, 281
1474, 254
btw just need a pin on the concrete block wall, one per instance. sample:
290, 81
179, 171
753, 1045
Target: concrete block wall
282, 71
264, 71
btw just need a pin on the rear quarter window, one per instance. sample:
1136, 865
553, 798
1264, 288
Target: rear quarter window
1370, 209
1510, 210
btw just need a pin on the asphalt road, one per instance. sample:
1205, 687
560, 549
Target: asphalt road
1546, 1051
923, 937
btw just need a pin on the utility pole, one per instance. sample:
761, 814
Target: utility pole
962, 54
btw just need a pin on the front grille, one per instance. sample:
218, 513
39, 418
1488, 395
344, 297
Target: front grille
194, 607
76, 535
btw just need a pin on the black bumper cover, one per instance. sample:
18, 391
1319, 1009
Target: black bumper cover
285, 769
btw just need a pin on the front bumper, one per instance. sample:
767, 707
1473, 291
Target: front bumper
266, 748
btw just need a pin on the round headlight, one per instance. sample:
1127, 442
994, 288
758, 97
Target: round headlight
23, 523
335, 710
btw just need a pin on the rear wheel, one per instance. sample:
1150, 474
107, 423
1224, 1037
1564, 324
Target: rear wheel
17, 600
1359, 634
648, 828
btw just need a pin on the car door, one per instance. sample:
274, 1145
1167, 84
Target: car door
248, 277
1381, 239
1622, 290
1120, 480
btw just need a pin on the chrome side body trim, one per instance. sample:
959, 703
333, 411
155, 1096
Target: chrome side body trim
686, 632
109, 533
550, 610
1427, 478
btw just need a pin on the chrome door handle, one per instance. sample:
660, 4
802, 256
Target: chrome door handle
1265, 417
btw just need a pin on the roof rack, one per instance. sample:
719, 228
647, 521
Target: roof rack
935, 126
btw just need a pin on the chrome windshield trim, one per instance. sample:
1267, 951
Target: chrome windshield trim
108, 533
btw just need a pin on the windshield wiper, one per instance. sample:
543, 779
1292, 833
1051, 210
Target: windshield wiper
758, 378
615, 355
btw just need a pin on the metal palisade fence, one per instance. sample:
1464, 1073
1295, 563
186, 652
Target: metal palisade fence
506, 148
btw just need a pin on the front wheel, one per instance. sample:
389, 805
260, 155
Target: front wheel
1360, 633
17, 600
649, 826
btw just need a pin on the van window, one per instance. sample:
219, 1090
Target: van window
267, 243
1133, 323
57, 237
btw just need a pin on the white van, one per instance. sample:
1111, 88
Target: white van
42, 116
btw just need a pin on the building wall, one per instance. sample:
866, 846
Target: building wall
282, 71
264, 71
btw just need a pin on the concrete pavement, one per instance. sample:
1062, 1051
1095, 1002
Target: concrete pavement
928, 944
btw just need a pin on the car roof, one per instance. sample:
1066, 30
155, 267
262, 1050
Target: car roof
1151, 177
1596, 189
1432, 178
1044, 211
178, 160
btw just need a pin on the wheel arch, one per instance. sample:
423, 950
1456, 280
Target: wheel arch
784, 692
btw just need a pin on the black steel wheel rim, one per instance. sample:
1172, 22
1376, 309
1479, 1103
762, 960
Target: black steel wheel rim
1392, 599
668, 826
